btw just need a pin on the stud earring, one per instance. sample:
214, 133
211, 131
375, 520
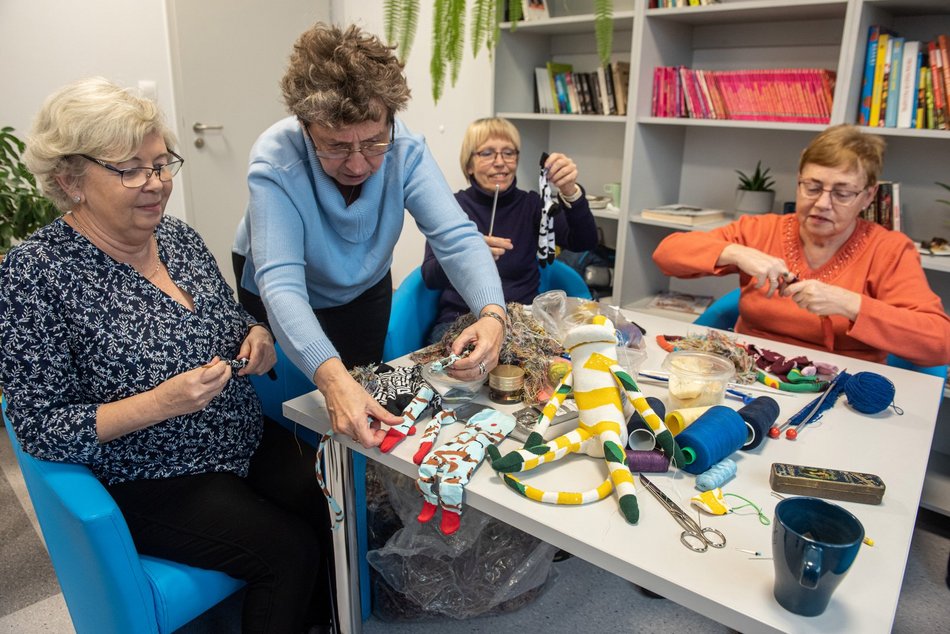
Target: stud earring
77, 198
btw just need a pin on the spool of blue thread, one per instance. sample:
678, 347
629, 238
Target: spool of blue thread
759, 416
714, 436
869, 393
717, 475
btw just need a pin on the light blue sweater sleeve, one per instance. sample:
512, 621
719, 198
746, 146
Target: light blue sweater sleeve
306, 248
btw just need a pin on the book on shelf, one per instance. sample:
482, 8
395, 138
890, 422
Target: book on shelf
867, 82
680, 302
937, 85
796, 95
621, 72
559, 87
889, 114
880, 64
907, 100
687, 215
543, 90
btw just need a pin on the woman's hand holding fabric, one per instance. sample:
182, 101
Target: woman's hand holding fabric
487, 335
768, 270
824, 299
258, 349
562, 173
191, 391
353, 412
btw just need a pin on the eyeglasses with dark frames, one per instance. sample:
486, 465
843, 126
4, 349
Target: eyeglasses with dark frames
136, 177
369, 149
508, 155
841, 197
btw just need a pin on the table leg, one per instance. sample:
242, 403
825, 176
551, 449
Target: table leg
339, 479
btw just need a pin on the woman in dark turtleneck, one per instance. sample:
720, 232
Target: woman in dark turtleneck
489, 158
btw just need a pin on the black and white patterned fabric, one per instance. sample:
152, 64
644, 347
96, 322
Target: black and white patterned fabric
78, 329
547, 249
394, 388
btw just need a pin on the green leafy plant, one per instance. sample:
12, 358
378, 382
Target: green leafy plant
23, 209
448, 31
947, 187
758, 181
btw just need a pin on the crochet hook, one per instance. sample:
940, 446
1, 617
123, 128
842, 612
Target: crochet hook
494, 205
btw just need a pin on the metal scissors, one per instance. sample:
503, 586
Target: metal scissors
694, 536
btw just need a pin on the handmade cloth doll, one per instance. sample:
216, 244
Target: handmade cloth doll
606, 397
445, 472
549, 208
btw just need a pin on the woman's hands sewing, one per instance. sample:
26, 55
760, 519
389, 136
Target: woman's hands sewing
824, 299
766, 269
258, 349
487, 334
353, 412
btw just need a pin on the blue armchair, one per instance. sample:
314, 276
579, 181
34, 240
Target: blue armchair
724, 312
415, 306
107, 585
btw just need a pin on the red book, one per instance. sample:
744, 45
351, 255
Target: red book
944, 47
939, 91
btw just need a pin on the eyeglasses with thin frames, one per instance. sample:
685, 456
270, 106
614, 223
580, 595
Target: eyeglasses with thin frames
839, 197
508, 155
136, 177
366, 149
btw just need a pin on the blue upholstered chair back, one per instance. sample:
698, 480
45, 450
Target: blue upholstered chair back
108, 586
724, 313
415, 306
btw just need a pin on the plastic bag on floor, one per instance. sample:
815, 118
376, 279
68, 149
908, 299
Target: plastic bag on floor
486, 567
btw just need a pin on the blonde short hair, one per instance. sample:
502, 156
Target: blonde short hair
846, 146
338, 78
480, 131
91, 116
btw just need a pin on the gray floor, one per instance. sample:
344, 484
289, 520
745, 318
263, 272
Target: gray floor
30, 601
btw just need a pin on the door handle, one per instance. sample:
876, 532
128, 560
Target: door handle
201, 127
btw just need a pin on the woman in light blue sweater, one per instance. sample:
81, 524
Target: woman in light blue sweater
328, 187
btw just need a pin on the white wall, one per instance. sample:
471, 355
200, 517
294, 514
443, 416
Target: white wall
45, 44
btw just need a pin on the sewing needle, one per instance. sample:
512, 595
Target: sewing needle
494, 205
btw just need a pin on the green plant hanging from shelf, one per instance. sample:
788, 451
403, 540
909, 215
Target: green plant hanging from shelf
448, 31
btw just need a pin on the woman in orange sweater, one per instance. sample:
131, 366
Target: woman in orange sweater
823, 277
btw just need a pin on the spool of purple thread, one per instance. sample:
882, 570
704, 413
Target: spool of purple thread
647, 461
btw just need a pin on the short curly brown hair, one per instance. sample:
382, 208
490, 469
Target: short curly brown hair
845, 145
339, 78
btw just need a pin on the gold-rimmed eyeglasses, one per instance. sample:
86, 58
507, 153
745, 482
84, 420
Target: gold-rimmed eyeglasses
372, 148
813, 190
136, 177
508, 155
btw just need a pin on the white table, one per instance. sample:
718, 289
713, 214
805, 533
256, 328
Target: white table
725, 585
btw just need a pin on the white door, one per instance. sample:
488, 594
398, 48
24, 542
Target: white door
227, 61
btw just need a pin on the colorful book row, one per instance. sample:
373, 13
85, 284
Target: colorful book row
796, 95
905, 83
560, 90
669, 4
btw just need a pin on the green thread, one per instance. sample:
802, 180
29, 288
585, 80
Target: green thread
763, 519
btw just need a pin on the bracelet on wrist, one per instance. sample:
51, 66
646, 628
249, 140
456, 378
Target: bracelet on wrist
501, 320
575, 196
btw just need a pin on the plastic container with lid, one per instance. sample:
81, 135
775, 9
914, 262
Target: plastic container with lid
697, 378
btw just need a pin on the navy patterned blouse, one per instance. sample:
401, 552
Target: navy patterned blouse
78, 329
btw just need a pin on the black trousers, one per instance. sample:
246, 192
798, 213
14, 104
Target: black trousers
271, 529
357, 329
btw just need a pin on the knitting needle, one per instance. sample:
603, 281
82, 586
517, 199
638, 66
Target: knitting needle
791, 434
494, 205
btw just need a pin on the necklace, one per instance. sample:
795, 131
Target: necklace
84, 230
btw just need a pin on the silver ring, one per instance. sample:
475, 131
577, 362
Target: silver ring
481, 367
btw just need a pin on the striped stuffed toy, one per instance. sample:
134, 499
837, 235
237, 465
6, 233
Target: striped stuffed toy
606, 397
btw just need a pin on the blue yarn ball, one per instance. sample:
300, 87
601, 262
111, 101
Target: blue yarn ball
869, 393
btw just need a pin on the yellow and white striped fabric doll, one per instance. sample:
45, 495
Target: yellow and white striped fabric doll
606, 396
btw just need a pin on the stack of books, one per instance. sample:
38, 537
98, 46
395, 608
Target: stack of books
687, 215
905, 83
560, 90
665, 4
796, 95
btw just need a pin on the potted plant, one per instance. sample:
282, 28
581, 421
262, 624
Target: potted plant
23, 209
448, 34
755, 194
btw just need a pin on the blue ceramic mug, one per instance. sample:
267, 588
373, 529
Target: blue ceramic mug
814, 543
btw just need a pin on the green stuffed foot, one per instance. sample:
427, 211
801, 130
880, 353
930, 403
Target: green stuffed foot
510, 463
629, 508
671, 448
